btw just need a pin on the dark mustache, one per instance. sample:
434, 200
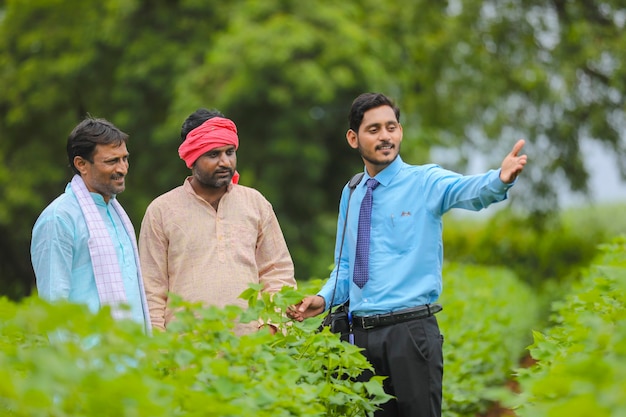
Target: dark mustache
385, 143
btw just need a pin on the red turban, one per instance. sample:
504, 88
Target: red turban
213, 133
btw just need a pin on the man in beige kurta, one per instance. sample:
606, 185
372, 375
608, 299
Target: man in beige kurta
209, 238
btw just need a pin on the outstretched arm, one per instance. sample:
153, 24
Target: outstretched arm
513, 163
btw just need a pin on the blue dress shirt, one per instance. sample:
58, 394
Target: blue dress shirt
60, 254
406, 247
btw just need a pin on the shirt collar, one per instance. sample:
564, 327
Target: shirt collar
99, 199
385, 176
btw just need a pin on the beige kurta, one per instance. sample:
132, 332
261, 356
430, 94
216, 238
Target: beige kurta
190, 249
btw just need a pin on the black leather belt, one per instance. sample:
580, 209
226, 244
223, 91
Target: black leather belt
369, 322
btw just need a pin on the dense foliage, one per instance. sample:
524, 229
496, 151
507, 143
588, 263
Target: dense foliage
581, 368
470, 77
485, 329
60, 360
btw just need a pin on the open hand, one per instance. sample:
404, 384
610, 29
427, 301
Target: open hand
513, 164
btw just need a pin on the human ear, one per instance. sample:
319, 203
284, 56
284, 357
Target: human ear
81, 164
352, 138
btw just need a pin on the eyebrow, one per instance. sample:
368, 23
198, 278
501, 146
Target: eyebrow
113, 158
380, 124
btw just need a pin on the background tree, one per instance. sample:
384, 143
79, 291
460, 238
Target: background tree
470, 76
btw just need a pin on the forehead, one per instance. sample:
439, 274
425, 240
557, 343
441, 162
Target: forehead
110, 150
379, 115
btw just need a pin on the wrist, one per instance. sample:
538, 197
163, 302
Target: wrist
322, 302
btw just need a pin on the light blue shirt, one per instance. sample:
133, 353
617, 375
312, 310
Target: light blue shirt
406, 246
60, 254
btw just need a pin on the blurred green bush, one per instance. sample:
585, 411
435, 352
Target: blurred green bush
554, 250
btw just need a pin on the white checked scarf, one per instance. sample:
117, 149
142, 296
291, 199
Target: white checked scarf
106, 266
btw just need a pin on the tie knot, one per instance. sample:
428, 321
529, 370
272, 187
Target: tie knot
372, 183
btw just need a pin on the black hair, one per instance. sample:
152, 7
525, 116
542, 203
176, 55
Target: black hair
196, 119
87, 134
365, 102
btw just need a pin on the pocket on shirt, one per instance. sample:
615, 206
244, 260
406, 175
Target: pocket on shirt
400, 230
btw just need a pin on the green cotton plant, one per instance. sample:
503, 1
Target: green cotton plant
486, 322
61, 360
341, 363
581, 358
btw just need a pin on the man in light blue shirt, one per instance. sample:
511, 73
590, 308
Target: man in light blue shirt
83, 249
393, 311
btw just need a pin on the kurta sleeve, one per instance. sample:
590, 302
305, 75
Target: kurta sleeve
52, 249
153, 254
272, 255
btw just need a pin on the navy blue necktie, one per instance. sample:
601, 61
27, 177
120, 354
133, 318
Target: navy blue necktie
361, 260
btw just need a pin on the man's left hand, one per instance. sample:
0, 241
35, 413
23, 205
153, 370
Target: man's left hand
513, 164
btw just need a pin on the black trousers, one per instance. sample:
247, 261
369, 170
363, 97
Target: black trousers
410, 355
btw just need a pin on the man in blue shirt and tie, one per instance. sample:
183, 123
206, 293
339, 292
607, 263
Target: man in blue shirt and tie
389, 263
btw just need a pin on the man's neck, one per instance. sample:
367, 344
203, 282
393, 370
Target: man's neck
209, 194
